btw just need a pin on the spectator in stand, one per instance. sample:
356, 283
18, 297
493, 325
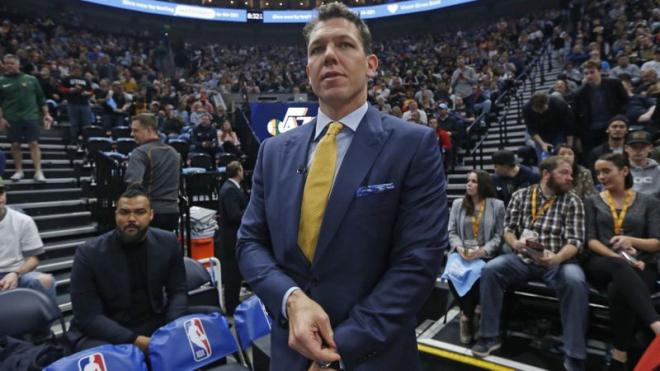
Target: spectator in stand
77, 91
548, 214
653, 64
157, 167
20, 247
51, 90
463, 81
444, 140
562, 90
645, 171
595, 103
595, 57
622, 232
205, 137
455, 130
577, 56
640, 107
413, 107
623, 66
510, 176
19, 114
617, 128
583, 182
549, 122
476, 225
383, 106
228, 140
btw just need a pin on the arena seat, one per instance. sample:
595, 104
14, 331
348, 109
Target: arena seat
27, 312
91, 131
126, 145
120, 132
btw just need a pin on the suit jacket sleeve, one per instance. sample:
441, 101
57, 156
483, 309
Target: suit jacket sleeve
87, 305
419, 238
254, 250
175, 287
232, 204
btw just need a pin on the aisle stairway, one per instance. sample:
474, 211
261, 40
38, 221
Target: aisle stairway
516, 135
59, 207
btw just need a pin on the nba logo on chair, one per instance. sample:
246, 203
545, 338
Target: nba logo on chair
92, 362
199, 342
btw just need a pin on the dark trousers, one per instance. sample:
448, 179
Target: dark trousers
469, 301
166, 221
628, 291
231, 282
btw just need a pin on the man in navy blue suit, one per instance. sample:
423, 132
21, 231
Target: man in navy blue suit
347, 221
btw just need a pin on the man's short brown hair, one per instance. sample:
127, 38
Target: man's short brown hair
539, 101
339, 10
146, 121
588, 65
233, 168
553, 162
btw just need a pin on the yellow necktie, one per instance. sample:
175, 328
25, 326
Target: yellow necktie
317, 190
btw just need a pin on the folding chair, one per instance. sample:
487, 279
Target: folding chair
28, 312
126, 145
201, 160
204, 286
91, 131
120, 132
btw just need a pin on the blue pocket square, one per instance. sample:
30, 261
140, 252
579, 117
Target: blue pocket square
374, 188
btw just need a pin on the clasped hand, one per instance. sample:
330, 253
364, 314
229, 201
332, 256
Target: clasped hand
310, 332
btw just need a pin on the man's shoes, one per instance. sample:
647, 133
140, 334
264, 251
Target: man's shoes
573, 364
485, 346
39, 177
465, 333
17, 176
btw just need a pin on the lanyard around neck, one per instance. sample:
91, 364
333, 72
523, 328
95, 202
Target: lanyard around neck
617, 218
476, 220
546, 205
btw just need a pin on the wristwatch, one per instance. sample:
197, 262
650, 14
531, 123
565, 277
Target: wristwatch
334, 365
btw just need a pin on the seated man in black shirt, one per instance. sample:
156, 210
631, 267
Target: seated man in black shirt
126, 283
205, 137
509, 176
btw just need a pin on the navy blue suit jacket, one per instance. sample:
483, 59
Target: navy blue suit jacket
378, 255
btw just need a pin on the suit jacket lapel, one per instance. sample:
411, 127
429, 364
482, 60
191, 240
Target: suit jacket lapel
365, 147
294, 158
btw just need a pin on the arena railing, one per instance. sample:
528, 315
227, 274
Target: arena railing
536, 68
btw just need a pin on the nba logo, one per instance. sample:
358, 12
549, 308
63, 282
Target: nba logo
199, 342
92, 362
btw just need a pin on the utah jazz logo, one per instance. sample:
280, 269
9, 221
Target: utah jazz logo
199, 342
92, 362
294, 117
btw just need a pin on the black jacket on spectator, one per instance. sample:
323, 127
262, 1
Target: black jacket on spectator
76, 97
101, 286
616, 99
204, 134
555, 122
507, 186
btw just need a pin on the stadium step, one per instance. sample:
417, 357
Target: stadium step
41, 195
53, 183
68, 232
66, 220
49, 207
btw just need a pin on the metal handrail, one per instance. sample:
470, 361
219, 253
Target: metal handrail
515, 91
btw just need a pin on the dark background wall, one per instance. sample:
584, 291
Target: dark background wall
116, 20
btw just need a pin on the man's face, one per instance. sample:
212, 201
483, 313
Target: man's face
460, 61
133, 216
638, 152
560, 180
337, 66
433, 123
11, 65
205, 120
502, 170
617, 130
139, 133
45, 73
592, 76
623, 61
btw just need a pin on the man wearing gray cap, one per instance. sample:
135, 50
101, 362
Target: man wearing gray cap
645, 171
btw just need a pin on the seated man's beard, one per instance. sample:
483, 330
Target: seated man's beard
132, 237
556, 187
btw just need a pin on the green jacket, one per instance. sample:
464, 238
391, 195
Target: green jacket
21, 97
